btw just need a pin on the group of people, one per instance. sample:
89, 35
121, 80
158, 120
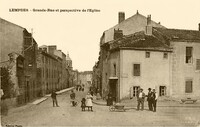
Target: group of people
80, 87
85, 102
151, 98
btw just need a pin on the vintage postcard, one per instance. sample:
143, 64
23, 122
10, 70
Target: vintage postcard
100, 63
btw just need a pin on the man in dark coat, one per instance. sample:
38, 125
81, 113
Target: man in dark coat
155, 97
140, 99
150, 99
54, 99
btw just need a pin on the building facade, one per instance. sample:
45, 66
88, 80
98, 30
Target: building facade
140, 53
52, 69
16, 41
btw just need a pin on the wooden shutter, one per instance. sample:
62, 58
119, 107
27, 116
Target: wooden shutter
188, 87
198, 64
136, 70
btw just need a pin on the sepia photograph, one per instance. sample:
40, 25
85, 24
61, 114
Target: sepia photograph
99, 63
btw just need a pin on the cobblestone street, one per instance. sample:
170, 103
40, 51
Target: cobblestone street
45, 114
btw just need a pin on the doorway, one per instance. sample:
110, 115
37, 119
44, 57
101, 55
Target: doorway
113, 88
27, 92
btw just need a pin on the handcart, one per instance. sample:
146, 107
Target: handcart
117, 107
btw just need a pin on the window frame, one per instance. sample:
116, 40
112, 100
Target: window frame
188, 91
186, 56
165, 53
147, 54
198, 66
137, 75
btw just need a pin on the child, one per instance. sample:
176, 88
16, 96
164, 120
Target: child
83, 104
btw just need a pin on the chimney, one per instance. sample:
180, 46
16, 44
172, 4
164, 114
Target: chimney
199, 26
149, 30
121, 17
148, 20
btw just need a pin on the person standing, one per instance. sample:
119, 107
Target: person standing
89, 101
150, 99
140, 99
72, 97
155, 97
54, 99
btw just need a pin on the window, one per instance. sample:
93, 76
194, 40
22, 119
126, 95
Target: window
114, 65
136, 69
188, 86
198, 64
106, 78
162, 90
135, 90
188, 55
147, 54
165, 55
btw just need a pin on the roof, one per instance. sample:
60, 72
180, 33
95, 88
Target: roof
8, 22
140, 41
179, 34
129, 26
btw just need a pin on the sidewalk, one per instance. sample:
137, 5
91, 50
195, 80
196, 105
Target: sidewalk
38, 101
160, 103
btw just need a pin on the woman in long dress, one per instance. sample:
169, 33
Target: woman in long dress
89, 101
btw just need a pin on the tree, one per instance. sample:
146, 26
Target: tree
6, 83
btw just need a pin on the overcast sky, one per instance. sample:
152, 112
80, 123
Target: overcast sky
79, 32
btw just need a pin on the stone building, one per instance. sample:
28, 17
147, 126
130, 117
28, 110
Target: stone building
52, 69
16, 42
140, 53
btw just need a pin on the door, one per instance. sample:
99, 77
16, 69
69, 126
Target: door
113, 88
27, 92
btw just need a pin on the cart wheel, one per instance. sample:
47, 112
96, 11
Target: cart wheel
112, 108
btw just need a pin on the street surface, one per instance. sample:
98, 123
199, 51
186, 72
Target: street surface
45, 114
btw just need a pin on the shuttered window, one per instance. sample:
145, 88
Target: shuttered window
198, 64
188, 86
136, 69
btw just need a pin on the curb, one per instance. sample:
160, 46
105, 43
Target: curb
62, 91
185, 106
36, 102
99, 103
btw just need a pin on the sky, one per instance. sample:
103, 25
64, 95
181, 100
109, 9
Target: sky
78, 33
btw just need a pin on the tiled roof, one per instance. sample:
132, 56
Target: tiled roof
140, 41
178, 34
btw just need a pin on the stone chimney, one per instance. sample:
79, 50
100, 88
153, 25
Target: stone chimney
51, 49
121, 17
148, 19
199, 26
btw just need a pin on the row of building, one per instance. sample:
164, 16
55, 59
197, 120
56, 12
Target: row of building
33, 71
141, 53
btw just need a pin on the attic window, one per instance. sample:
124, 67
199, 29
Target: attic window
147, 55
165, 55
